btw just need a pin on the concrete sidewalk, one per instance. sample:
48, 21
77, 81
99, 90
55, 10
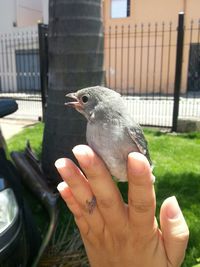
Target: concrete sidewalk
11, 127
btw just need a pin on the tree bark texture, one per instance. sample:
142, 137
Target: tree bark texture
75, 61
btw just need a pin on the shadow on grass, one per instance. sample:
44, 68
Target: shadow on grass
185, 186
192, 135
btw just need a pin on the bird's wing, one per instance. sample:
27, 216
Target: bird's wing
137, 136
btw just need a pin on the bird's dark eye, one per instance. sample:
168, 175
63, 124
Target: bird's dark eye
84, 99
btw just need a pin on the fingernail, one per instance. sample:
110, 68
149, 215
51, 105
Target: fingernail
61, 186
173, 210
60, 163
153, 178
82, 154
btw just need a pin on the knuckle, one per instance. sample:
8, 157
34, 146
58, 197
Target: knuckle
105, 203
182, 237
140, 206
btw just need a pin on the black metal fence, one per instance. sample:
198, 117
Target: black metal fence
156, 67
144, 63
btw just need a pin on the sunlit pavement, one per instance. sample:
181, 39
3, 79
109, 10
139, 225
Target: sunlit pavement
11, 127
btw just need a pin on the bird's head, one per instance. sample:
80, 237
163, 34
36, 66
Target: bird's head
93, 101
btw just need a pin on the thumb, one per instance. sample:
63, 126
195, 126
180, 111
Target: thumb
174, 230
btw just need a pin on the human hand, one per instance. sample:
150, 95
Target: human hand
114, 233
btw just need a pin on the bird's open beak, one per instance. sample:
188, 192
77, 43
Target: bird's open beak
76, 103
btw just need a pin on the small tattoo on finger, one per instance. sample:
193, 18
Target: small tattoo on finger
91, 204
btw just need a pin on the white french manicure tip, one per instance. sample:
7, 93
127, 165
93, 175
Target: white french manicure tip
153, 178
61, 186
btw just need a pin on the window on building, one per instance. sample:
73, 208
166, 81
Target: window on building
120, 8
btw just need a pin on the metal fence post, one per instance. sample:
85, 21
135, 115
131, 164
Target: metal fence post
178, 71
43, 53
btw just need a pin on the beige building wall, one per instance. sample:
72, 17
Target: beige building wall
141, 58
145, 11
29, 12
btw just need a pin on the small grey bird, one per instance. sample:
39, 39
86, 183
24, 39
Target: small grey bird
111, 131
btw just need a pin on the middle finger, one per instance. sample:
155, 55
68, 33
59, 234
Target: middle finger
109, 199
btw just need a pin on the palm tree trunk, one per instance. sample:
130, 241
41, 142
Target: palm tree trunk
75, 61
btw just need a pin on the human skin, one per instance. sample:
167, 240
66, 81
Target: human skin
115, 233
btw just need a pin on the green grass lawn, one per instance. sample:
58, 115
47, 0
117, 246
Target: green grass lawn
33, 133
177, 170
